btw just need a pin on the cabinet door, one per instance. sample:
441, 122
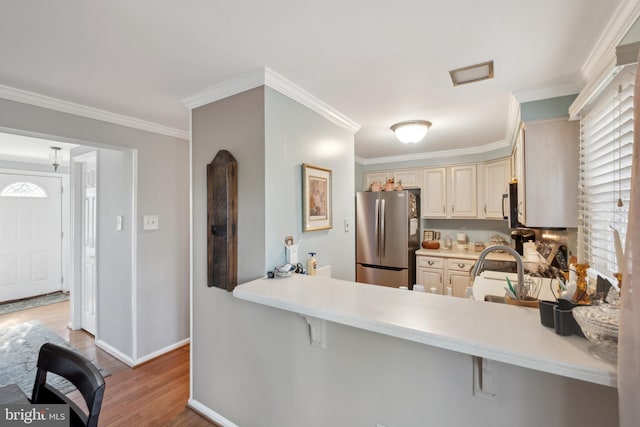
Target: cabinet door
458, 282
434, 195
372, 177
430, 278
495, 182
463, 192
408, 178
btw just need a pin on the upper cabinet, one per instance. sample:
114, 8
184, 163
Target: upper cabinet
409, 178
434, 193
548, 173
493, 182
462, 195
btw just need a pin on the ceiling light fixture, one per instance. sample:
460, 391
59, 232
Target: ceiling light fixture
411, 131
55, 157
472, 73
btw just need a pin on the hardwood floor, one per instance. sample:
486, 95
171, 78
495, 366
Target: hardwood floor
152, 394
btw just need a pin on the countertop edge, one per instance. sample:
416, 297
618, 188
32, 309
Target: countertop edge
474, 348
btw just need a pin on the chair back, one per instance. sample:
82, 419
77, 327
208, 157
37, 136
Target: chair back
77, 370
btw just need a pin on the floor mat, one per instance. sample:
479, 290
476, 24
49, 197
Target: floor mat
25, 304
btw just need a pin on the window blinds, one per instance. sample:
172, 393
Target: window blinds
606, 145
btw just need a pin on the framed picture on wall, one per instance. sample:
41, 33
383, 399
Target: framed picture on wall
316, 198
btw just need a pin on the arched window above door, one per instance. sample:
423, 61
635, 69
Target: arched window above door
23, 189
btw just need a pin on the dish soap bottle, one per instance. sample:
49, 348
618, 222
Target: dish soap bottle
312, 264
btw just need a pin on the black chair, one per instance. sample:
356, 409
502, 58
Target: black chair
80, 372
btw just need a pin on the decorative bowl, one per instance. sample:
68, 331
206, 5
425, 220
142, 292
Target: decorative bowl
431, 244
600, 324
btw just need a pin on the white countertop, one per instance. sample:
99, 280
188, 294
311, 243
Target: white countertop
498, 332
468, 254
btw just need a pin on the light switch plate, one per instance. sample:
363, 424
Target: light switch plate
150, 222
118, 222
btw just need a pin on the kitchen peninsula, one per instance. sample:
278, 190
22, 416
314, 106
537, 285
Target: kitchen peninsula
497, 332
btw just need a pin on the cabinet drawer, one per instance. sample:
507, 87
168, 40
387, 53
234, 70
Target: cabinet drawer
430, 262
460, 264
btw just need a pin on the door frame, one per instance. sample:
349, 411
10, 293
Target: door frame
77, 202
65, 256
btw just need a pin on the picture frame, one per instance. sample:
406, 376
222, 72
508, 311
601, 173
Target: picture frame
316, 198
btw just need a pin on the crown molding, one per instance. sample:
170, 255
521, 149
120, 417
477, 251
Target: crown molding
482, 149
38, 100
600, 65
513, 120
267, 77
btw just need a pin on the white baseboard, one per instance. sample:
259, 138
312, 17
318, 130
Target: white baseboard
162, 351
210, 413
133, 363
115, 353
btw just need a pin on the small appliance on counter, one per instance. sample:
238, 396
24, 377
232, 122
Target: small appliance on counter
519, 237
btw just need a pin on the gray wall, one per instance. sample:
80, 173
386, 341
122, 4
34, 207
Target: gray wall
546, 108
162, 189
295, 135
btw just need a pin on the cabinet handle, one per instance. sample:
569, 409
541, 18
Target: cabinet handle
460, 265
453, 209
430, 262
443, 209
485, 208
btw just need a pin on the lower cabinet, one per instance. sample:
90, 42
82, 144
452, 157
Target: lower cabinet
432, 270
457, 275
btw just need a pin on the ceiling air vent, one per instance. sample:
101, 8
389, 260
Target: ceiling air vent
472, 73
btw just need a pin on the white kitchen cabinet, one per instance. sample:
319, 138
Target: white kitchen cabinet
549, 174
518, 162
372, 177
434, 194
409, 178
430, 273
457, 275
493, 182
462, 192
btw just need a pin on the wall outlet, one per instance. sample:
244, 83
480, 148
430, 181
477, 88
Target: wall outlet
150, 222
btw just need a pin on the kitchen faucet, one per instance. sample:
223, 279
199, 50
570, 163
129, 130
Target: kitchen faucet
516, 255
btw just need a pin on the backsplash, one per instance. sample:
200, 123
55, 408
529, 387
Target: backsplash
477, 230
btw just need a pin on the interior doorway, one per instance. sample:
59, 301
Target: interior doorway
30, 235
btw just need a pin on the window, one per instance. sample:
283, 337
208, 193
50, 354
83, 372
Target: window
606, 147
23, 189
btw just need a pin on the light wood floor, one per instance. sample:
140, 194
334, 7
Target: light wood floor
153, 394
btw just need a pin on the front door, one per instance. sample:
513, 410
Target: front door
30, 235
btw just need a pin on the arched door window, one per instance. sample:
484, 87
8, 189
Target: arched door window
23, 189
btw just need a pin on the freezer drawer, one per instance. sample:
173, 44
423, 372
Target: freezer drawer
382, 276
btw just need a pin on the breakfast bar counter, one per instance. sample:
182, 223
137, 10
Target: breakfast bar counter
499, 332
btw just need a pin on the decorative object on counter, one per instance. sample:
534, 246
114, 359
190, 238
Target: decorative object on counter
431, 244
478, 246
524, 302
447, 244
291, 249
600, 324
461, 238
282, 271
316, 198
430, 235
222, 221
312, 264
498, 240
376, 186
411, 131
581, 296
418, 288
559, 315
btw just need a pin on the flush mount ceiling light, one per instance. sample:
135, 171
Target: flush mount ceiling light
411, 131
55, 157
472, 73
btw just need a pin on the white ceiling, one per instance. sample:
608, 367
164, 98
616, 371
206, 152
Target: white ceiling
376, 62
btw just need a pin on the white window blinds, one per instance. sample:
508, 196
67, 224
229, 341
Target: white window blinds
606, 146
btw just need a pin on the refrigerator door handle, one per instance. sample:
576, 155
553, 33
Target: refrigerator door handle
383, 236
377, 234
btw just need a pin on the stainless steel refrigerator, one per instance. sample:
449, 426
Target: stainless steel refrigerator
387, 237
